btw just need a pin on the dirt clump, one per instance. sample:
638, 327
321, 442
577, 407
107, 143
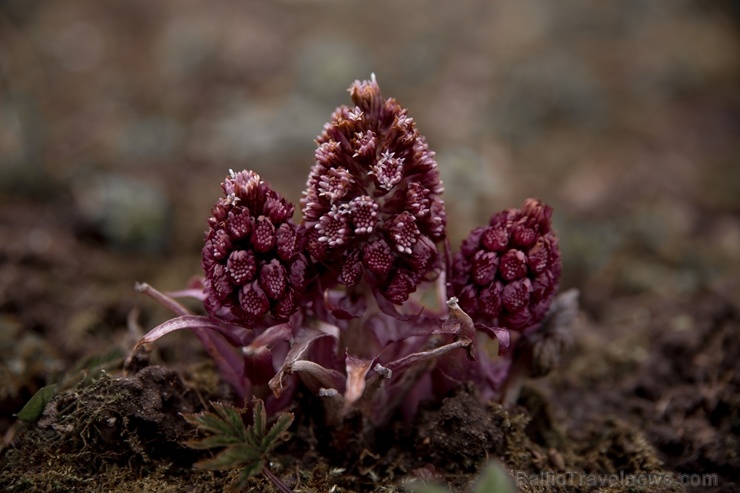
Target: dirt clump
101, 429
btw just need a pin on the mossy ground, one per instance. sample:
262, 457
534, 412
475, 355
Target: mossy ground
673, 411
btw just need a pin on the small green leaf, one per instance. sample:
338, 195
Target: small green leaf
260, 418
231, 457
495, 478
33, 409
258, 428
208, 421
244, 446
213, 441
233, 417
251, 470
281, 426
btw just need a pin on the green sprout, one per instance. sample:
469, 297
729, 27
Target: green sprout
245, 447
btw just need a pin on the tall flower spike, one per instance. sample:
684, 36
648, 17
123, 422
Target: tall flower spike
373, 195
253, 255
506, 274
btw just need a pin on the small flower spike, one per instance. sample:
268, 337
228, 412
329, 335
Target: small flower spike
253, 254
372, 205
506, 274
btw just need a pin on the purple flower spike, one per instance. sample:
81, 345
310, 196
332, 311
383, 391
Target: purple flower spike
253, 255
372, 203
316, 304
506, 274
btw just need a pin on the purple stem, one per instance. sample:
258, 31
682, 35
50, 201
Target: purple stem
230, 365
282, 487
161, 298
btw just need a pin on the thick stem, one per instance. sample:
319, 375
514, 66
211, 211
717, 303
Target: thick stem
353, 339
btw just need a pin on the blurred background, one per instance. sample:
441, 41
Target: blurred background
119, 120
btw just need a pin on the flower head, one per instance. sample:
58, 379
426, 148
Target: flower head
506, 274
372, 205
372, 218
253, 254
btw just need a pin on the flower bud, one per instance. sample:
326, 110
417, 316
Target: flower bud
372, 202
254, 266
506, 274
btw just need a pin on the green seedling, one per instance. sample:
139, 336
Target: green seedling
244, 447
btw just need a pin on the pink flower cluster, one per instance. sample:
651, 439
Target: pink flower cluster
253, 258
506, 273
328, 299
372, 203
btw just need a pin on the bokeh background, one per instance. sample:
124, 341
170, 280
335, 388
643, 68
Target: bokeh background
119, 120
